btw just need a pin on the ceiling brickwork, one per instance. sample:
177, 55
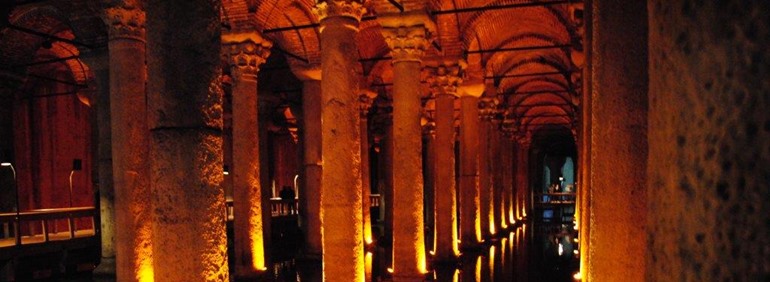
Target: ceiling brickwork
509, 42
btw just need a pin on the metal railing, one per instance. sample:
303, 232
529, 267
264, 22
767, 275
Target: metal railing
555, 198
279, 207
46, 217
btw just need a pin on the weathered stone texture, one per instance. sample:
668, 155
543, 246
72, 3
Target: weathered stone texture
709, 215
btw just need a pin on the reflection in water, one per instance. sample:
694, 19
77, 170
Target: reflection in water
541, 252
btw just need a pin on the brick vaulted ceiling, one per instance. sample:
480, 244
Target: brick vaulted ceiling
529, 51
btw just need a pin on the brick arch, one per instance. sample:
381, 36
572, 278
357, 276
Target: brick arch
494, 21
283, 13
19, 47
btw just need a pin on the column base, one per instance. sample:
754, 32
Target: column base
251, 276
409, 278
106, 268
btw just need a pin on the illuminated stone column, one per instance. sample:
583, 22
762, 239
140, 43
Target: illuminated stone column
511, 195
98, 62
618, 144
407, 36
185, 121
522, 174
444, 81
245, 52
130, 143
341, 216
497, 172
429, 171
470, 203
310, 190
365, 103
486, 112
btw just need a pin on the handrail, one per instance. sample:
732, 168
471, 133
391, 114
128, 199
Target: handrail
47, 215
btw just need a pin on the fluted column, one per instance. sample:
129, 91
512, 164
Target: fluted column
310, 190
185, 106
407, 35
341, 216
245, 52
470, 210
130, 143
444, 80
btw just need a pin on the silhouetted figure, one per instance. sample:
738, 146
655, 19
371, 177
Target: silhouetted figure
287, 197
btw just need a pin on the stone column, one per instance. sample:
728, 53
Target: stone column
618, 156
365, 103
310, 196
98, 62
185, 121
522, 175
498, 170
341, 216
407, 36
429, 174
444, 80
511, 191
245, 52
470, 203
130, 143
486, 112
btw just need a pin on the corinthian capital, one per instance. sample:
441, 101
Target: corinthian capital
125, 22
445, 76
408, 35
245, 52
339, 8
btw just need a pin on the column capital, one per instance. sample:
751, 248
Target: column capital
245, 52
488, 108
125, 22
407, 34
339, 8
428, 125
365, 101
444, 76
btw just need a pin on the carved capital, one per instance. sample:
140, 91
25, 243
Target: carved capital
244, 53
488, 108
444, 78
125, 23
339, 8
408, 35
365, 101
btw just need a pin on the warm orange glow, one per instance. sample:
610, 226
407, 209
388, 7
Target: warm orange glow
578, 276
510, 215
143, 262
478, 229
492, 226
368, 266
390, 270
368, 232
422, 264
456, 277
146, 273
478, 268
492, 259
257, 245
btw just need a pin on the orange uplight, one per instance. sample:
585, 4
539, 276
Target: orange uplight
368, 266
478, 268
456, 277
146, 273
492, 226
258, 250
578, 276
